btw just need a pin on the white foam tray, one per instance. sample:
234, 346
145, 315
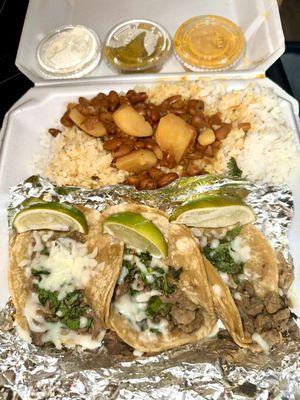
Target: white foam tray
258, 19
42, 107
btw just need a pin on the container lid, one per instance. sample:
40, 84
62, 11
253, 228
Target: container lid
259, 21
209, 43
70, 51
137, 45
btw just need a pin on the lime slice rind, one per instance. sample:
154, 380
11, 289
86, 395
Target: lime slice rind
213, 211
53, 216
136, 231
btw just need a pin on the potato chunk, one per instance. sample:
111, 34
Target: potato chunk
137, 161
174, 135
97, 130
131, 122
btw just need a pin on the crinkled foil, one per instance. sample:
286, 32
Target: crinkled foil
214, 369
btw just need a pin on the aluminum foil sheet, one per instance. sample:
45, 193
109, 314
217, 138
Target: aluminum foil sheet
214, 369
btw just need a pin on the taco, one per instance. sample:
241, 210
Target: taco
242, 270
159, 301
56, 282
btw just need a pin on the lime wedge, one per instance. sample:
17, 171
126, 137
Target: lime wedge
53, 216
137, 231
214, 211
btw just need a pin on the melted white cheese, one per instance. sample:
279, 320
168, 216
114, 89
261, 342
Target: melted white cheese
71, 339
123, 274
131, 309
237, 296
240, 251
54, 331
224, 277
214, 243
256, 337
32, 311
69, 266
146, 296
217, 290
161, 326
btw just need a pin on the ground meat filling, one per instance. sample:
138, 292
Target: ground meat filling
153, 287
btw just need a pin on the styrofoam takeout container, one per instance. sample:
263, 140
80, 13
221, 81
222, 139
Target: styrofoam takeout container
42, 106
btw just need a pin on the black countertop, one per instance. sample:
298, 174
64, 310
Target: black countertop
13, 84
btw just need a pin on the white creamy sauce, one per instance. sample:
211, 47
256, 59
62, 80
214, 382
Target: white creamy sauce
257, 338
240, 250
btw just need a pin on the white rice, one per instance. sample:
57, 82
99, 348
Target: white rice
77, 159
268, 152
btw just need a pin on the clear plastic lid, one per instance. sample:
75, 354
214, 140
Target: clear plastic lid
69, 52
137, 45
209, 43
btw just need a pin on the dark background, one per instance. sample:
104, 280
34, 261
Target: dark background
13, 84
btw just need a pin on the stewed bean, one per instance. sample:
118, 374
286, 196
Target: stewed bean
54, 132
139, 146
113, 144
167, 179
223, 131
123, 150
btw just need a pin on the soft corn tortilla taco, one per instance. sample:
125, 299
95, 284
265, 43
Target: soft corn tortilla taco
57, 284
161, 303
242, 271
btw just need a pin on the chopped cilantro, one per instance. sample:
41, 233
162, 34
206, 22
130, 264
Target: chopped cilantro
233, 169
159, 270
38, 273
133, 292
69, 310
154, 330
145, 258
222, 259
156, 308
127, 265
